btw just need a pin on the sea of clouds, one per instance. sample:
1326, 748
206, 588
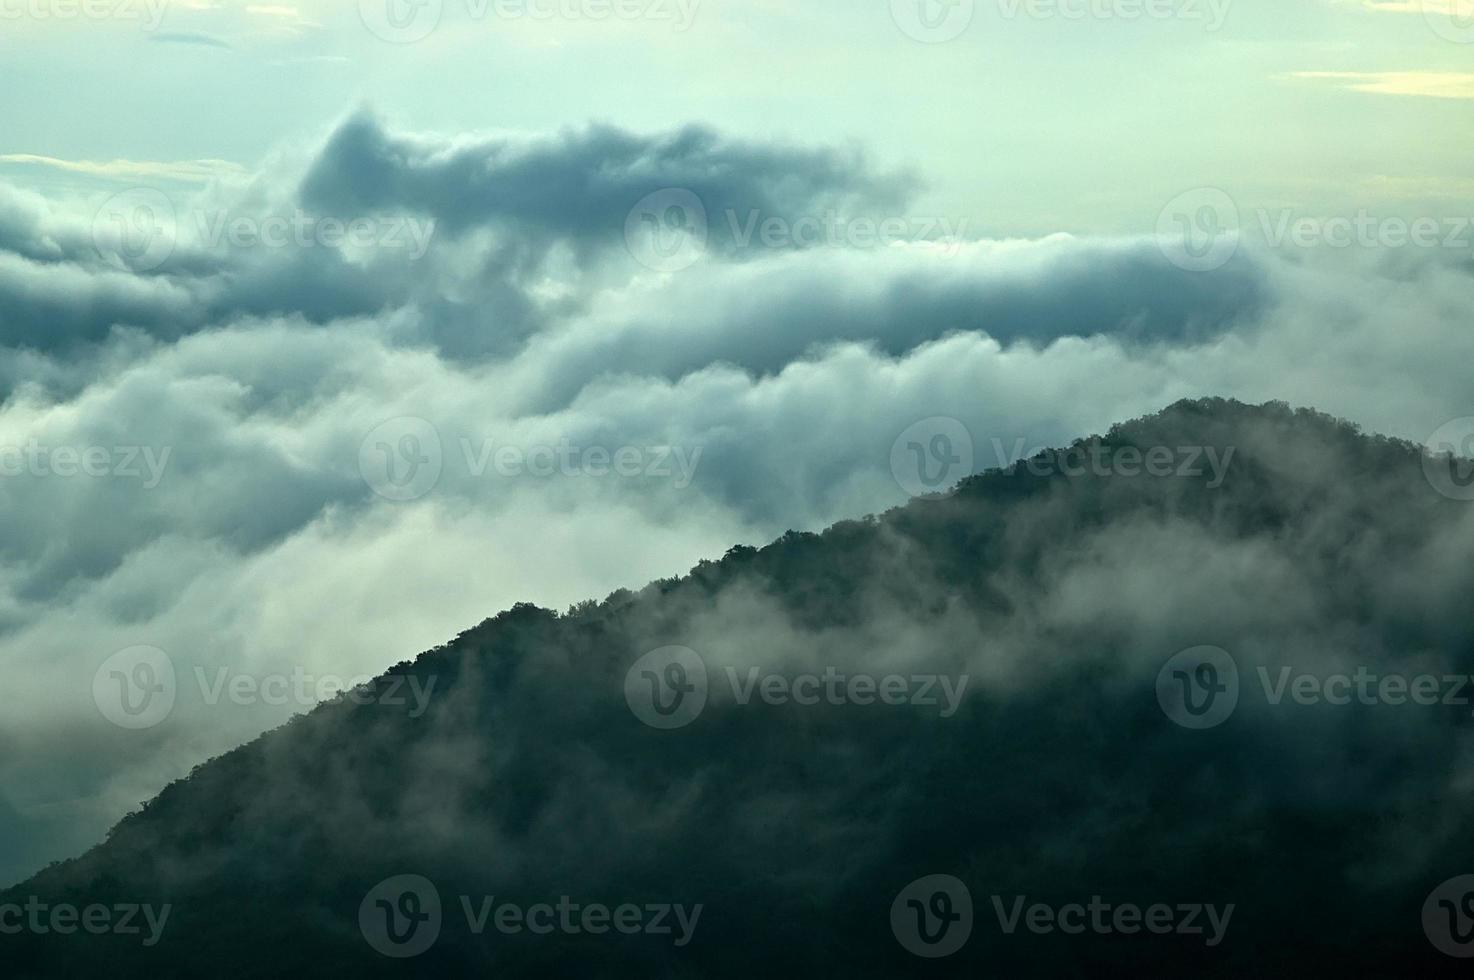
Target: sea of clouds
308, 422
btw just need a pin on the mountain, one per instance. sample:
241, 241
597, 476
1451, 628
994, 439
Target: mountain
1184, 698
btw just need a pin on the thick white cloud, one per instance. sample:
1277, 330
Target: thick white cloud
264, 548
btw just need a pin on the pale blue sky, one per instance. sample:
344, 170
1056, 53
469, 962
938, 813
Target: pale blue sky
1024, 124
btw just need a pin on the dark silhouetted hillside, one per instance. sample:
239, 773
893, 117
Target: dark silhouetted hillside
1059, 777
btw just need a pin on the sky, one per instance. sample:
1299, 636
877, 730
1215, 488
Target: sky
1039, 116
329, 330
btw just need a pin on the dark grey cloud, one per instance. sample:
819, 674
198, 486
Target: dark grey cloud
767, 315
580, 185
512, 214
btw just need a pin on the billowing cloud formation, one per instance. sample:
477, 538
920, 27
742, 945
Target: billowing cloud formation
580, 185
480, 244
229, 414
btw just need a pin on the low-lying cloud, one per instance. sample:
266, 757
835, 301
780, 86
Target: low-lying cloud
254, 375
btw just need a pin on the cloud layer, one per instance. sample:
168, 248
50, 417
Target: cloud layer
758, 387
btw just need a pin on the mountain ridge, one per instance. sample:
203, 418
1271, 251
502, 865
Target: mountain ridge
530, 757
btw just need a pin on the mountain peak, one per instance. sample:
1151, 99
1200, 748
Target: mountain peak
970, 684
